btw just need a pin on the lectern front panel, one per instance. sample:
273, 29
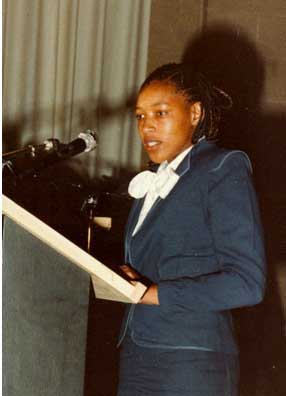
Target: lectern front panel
45, 312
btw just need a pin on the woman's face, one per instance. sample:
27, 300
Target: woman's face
166, 121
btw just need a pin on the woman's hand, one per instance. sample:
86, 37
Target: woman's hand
151, 295
130, 272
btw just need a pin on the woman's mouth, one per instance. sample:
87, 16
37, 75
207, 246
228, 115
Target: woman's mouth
151, 144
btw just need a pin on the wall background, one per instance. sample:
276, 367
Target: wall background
241, 46
174, 26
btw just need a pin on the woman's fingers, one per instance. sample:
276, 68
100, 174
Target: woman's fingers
130, 272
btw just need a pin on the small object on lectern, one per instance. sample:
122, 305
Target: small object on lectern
103, 222
108, 284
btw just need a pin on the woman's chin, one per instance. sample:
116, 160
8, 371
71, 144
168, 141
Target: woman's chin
156, 159
157, 156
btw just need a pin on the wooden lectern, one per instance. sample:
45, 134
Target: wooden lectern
46, 282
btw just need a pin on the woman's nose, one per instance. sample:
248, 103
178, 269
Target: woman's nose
148, 125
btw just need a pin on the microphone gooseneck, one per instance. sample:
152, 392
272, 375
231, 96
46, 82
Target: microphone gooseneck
33, 158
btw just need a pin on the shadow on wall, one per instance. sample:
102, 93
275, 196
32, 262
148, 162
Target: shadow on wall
232, 62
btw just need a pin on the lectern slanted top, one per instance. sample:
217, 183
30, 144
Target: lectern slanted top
108, 284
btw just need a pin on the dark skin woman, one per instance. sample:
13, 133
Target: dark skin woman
194, 232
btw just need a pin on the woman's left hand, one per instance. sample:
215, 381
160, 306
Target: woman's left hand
151, 296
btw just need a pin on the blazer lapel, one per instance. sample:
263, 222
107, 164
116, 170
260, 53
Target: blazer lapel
193, 159
188, 163
131, 223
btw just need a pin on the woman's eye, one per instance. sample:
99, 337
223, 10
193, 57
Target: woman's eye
139, 116
161, 113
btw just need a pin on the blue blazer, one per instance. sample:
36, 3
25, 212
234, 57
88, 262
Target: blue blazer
203, 246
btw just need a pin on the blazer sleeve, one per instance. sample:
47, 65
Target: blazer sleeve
238, 242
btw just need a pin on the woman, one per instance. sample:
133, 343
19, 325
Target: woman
194, 232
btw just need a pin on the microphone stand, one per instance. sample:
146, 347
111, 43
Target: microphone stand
23, 161
89, 206
49, 144
27, 149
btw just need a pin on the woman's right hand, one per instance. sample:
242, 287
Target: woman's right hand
130, 272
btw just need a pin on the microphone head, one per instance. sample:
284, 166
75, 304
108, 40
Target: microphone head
90, 138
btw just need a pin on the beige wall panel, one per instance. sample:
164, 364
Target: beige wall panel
275, 87
271, 36
232, 6
173, 23
266, 30
269, 7
240, 21
265, 7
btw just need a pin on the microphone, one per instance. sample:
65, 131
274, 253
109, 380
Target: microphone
32, 159
85, 142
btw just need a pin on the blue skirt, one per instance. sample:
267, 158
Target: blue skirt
148, 371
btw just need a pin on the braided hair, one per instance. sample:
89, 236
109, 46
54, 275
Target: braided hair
196, 88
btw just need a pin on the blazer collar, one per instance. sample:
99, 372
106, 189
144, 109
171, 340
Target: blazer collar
184, 166
198, 149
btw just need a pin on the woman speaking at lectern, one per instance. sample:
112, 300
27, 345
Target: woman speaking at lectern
194, 231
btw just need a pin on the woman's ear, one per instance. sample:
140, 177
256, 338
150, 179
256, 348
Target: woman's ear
195, 113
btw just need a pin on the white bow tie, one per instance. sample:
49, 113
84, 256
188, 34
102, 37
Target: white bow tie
160, 183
